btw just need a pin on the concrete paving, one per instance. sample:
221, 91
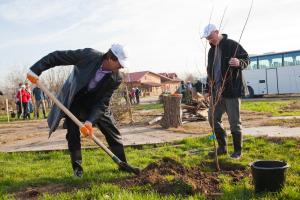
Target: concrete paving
145, 135
273, 131
286, 117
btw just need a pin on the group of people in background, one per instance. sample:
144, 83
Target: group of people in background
29, 101
23, 97
187, 90
134, 95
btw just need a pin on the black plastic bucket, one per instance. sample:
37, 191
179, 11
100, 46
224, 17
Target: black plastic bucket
268, 175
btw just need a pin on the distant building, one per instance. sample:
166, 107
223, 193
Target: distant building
152, 83
172, 76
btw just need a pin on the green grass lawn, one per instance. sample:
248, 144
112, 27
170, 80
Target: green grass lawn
276, 108
3, 118
150, 106
39, 169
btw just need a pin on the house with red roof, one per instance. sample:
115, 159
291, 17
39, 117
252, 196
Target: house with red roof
151, 83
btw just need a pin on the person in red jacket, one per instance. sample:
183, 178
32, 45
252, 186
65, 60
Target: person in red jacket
24, 97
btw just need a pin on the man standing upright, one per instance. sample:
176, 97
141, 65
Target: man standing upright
137, 95
30, 103
18, 102
226, 86
39, 101
86, 93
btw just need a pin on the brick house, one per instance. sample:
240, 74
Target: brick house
151, 83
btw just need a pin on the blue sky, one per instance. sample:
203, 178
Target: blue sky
161, 35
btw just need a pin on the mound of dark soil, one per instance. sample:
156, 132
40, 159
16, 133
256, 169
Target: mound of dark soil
168, 176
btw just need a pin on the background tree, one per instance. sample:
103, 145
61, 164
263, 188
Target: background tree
119, 104
189, 77
12, 81
54, 78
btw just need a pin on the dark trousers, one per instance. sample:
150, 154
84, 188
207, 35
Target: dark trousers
232, 107
25, 110
19, 109
39, 103
105, 124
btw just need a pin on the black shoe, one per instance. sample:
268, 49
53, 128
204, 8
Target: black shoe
236, 155
220, 151
78, 170
78, 173
76, 160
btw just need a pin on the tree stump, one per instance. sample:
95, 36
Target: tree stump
172, 111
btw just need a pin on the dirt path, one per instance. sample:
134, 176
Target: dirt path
33, 136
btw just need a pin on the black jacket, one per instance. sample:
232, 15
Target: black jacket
86, 62
234, 85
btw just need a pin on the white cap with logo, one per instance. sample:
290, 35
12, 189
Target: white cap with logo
120, 52
208, 30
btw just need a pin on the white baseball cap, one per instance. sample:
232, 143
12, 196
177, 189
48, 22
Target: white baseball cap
120, 52
208, 30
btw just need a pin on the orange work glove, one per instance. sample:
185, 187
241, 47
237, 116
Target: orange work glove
87, 129
32, 77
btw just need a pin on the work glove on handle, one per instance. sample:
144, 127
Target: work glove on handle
32, 77
87, 129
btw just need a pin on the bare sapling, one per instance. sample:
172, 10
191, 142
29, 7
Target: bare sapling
215, 98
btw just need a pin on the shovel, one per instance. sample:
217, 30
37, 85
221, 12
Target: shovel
120, 163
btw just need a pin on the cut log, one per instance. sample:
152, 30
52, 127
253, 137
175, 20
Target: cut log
203, 114
172, 111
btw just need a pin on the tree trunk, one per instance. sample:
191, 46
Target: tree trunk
172, 111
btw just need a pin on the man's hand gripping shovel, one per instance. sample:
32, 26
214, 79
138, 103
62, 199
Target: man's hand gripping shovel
85, 129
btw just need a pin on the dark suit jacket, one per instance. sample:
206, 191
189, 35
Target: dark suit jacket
235, 85
86, 62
